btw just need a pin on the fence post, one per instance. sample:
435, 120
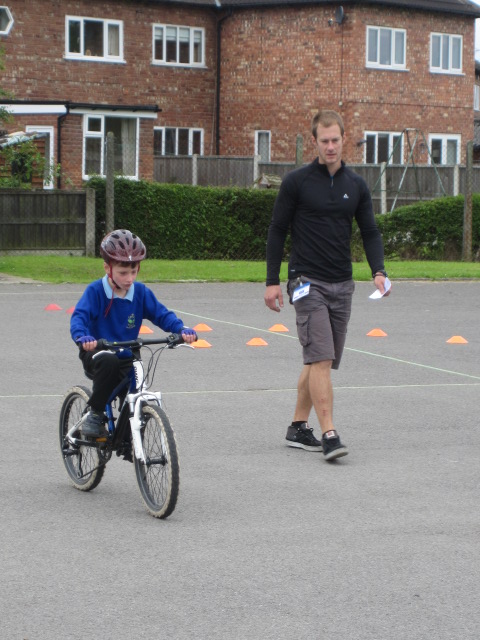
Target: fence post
90, 222
109, 185
456, 180
256, 160
383, 187
467, 207
195, 169
299, 151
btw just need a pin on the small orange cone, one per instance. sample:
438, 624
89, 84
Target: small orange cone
279, 328
201, 344
376, 333
145, 329
457, 340
53, 307
70, 310
202, 327
257, 342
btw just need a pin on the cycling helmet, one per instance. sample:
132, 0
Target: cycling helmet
122, 246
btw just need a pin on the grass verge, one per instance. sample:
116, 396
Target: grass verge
78, 270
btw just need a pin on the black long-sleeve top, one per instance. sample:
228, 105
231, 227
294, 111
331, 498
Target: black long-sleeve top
318, 209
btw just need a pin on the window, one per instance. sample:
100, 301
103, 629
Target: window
96, 128
48, 134
178, 45
262, 145
386, 48
476, 97
169, 141
6, 21
383, 147
92, 39
444, 149
445, 53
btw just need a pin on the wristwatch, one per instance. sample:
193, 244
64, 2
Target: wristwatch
379, 272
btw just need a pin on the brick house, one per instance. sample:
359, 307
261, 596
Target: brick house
237, 77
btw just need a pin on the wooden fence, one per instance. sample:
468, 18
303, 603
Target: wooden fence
391, 186
48, 221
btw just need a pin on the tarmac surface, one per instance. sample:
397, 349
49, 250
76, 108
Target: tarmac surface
267, 542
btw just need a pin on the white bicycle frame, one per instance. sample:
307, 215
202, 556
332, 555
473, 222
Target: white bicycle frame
135, 409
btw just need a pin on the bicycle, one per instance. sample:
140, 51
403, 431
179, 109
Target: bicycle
133, 415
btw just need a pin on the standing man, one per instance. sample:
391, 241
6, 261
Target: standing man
317, 204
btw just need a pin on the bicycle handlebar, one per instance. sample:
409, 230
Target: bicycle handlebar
171, 341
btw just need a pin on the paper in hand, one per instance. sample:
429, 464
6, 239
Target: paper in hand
376, 295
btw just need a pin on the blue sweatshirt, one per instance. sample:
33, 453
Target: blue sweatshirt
125, 317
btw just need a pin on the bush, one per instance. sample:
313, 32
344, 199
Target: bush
185, 222
428, 230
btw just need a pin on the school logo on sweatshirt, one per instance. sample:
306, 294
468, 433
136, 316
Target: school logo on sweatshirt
131, 321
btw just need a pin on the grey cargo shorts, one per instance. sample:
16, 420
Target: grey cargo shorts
322, 318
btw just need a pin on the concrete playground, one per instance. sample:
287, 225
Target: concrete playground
266, 542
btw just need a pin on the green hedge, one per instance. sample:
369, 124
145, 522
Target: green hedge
185, 222
428, 230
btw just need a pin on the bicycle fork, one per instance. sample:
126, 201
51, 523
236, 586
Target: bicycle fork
135, 403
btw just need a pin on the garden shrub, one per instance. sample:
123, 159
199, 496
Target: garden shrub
186, 222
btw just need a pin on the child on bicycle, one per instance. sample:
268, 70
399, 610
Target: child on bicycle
113, 308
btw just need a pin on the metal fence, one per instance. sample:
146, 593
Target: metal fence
391, 185
47, 221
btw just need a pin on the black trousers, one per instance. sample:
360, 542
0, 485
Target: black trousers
105, 370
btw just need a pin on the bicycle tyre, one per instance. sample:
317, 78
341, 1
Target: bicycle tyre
82, 463
159, 479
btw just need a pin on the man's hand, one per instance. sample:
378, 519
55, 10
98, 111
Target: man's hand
379, 282
274, 297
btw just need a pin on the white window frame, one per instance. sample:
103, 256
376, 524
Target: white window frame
91, 134
81, 55
446, 66
6, 31
47, 184
191, 132
377, 64
445, 138
192, 32
476, 97
391, 143
258, 133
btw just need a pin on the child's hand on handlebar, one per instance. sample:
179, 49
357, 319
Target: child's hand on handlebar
189, 335
87, 342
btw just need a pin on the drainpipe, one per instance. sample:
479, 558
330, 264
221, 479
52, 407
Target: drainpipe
219, 51
60, 120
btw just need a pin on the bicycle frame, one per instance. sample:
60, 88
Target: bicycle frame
133, 401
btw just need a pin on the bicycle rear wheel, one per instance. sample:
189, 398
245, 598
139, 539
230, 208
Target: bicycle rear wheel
82, 462
159, 478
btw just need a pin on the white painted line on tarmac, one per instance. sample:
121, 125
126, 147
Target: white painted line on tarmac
414, 364
293, 389
367, 353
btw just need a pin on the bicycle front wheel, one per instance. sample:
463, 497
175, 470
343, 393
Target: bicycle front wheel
159, 477
81, 462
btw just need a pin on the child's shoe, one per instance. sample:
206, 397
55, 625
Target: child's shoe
93, 425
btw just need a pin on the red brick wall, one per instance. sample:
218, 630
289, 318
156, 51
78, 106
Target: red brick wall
35, 69
280, 65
